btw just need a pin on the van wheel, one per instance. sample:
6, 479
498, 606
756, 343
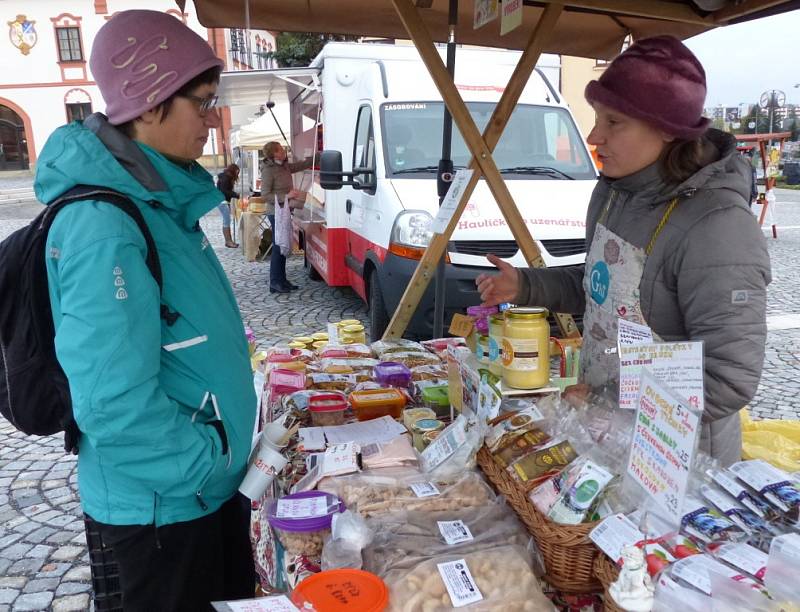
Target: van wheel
311, 270
378, 318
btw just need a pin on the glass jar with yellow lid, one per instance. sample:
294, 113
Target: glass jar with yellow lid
526, 348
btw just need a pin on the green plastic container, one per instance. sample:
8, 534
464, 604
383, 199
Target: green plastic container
437, 399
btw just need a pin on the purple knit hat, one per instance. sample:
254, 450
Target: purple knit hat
140, 58
659, 81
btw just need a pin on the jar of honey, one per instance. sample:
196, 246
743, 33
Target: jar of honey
352, 334
526, 348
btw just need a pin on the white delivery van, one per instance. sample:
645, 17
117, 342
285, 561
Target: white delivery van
378, 106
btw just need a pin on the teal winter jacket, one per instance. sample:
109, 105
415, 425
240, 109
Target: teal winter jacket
145, 393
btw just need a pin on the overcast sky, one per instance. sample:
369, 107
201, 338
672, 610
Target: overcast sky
744, 60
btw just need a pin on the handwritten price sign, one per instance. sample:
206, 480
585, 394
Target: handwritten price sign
663, 444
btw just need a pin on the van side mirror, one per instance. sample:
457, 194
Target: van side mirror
331, 175
330, 170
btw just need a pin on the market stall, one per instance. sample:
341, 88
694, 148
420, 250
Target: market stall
409, 476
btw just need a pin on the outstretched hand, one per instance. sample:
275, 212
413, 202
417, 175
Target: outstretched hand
498, 288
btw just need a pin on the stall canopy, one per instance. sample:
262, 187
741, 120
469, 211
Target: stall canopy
255, 134
587, 28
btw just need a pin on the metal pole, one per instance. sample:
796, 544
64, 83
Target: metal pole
771, 113
445, 175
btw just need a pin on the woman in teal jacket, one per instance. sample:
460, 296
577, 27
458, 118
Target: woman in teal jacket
166, 411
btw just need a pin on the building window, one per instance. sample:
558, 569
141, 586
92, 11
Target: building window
78, 111
69, 44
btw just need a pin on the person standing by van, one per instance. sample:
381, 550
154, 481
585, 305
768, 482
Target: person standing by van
671, 241
226, 180
277, 185
160, 382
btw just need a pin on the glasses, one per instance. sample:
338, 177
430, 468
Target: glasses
204, 104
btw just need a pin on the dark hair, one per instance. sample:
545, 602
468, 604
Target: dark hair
204, 78
683, 158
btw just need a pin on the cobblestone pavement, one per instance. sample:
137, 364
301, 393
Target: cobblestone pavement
43, 556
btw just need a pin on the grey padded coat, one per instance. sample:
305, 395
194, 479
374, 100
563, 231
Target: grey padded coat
705, 279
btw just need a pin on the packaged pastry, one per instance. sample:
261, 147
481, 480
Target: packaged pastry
372, 494
413, 359
345, 351
403, 540
484, 581
429, 372
386, 347
397, 452
331, 382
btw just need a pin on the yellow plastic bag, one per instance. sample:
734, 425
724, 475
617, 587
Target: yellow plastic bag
773, 440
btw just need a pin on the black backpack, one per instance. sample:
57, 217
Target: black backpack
34, 392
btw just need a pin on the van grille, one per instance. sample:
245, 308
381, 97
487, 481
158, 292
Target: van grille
508, 248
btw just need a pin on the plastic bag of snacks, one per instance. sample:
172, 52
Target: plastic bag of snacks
386, 347
405, 539
374, 494
489, 580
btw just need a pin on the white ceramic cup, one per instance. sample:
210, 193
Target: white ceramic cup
264, 465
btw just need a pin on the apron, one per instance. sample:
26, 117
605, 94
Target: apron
613, 272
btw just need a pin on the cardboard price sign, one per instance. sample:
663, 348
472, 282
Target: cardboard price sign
663, 445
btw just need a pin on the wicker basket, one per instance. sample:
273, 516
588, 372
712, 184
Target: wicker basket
606, 572
567, 550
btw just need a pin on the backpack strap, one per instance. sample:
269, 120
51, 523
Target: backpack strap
124, 203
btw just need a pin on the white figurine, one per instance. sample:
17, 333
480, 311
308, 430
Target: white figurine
633, 590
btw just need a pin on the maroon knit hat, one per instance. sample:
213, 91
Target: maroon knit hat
140, 58
659, 81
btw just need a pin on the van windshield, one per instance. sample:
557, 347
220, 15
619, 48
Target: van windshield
539, 142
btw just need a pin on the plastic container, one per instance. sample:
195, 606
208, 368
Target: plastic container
412, 415
342, 590
302, 520
282, 381
327, 409
285, 361
375, 403
437, 398
526, 348
393, 374
422, 427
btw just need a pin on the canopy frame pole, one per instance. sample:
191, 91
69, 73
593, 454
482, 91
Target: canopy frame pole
482, 162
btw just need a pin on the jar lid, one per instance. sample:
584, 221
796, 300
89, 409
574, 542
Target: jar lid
303, 339
319, 336
348, 322
497, 318
349, 590
321, 505
355, 328
296, 345
424, 425
526, 312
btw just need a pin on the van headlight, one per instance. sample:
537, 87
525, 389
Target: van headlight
412, 228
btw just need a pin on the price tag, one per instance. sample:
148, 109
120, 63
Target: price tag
459, 583
267, 604
302, 508
454, 532
424, 489
615, 533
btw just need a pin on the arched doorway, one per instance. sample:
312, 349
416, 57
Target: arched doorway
13, 142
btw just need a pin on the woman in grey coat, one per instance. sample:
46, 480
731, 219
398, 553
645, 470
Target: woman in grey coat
672, 242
